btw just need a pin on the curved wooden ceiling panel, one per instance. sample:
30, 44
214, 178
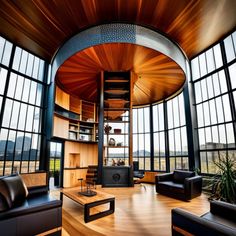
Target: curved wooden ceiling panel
158, 77
42, 26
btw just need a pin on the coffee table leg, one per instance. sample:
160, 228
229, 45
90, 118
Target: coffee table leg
87, 207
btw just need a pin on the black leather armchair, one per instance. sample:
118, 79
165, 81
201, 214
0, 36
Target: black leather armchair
219, 221
180, 184
27, 213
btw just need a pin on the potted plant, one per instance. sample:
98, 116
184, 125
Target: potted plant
225, 182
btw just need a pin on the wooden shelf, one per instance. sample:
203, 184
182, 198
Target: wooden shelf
117, 105
116, 146
116, 134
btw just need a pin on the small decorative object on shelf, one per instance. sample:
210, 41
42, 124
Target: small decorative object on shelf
90, 120
112, 142
107, 129
117, 131
119, 144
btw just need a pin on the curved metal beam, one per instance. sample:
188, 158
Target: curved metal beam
119, 33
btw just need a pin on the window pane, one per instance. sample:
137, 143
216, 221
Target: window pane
155, 118
30, 116
184, 141
203, 158
22, 118
0, 104
218, 56
2, 44
25, 96
17, 57
3, 142
170, 114
15, 112
208, 138
33, 88
234, 99
211, 157
7, 54
230, 135
201, 135
19, 87
36, 119
219, 108
206, 113
213, 111
230, 54
7, 113
195, 68
223, 84
23, 63
36, 67
216, 84
162, 144
147, 119
226, 106
210, 87
12, 86
140, 121
181, 109
10, 152
171, 143
176, 112
41, 70
232, 72
178, 145
30, 64
204, 90
222, 135
198, 92
135, 120
215, 136
210, 60
161, 116
3, 76
203, 68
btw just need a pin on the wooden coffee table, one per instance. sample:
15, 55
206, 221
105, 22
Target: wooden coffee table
90, 202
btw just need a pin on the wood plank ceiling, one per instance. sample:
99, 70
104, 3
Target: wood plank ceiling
156, 75
43, 26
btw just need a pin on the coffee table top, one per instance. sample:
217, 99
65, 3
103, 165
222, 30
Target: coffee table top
73, 193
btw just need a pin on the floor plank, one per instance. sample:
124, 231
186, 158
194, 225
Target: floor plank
138, 211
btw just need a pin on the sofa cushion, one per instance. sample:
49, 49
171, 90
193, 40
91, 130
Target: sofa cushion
220, 220
179, 176
13, 190
35, 204
170, 186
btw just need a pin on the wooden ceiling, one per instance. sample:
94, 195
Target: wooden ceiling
155, 75
42, 26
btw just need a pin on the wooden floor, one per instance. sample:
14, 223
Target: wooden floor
138, 211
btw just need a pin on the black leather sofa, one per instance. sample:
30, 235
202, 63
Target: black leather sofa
180, 184
221, 220
27, 212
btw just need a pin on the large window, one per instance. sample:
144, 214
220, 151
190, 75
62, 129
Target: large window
21, 107
141, 138
175, 152
214, 76
159, 138
178, 147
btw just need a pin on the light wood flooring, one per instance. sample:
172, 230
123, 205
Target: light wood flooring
138, 211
